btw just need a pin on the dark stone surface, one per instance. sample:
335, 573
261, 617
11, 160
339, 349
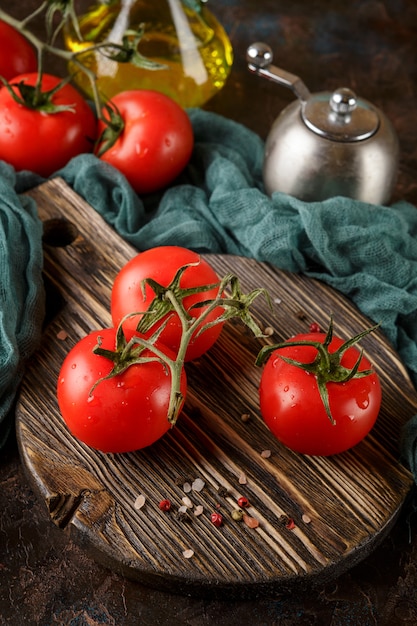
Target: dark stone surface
370, 46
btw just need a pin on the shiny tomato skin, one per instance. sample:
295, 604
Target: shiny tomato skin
17, 55
124, 413
156, 142
44, 142
161, 263
292, 408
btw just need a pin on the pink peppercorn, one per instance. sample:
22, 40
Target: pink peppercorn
315, 328
216, 519
243, 502
165, 505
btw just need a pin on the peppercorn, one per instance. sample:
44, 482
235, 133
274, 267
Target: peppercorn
216, 519
237, 515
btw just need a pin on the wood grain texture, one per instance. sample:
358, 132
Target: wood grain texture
342, 506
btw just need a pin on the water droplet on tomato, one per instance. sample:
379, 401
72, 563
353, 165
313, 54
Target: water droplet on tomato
90, 398
286, 388
73, 366
363, 404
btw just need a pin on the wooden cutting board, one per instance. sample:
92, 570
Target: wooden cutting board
317, 516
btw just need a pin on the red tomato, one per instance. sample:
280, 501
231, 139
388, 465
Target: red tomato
124, 413
156, 142
161, 264
17, 55
292, 407
44, 142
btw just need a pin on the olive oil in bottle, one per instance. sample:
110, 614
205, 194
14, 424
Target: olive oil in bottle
189, 45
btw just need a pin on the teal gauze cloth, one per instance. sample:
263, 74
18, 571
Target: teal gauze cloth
367, 252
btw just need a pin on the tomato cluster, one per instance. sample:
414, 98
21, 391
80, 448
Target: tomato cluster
128, 408
45, 121
318, 395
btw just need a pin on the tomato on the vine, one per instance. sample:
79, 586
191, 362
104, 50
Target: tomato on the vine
123, 413
17, 55
161, 264
154, 139
293, 407
43, 135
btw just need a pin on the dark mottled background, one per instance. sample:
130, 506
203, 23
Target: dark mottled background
370, 46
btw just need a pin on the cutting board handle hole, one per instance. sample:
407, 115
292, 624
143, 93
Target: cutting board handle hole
59, 232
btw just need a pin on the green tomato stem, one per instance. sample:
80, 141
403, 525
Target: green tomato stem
41, 8
176, 366
326, 366
189, 328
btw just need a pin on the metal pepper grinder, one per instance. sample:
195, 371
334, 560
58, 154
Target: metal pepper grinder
326, 144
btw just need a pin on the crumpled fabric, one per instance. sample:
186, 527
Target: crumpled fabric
367, 252
21, 291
